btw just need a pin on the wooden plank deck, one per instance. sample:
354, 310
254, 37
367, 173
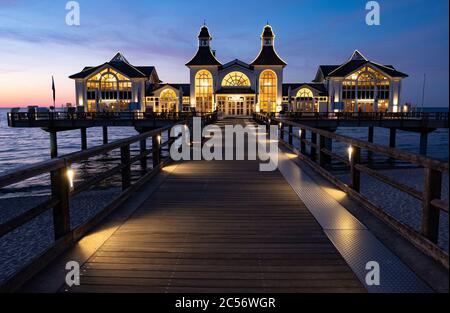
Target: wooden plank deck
219, 226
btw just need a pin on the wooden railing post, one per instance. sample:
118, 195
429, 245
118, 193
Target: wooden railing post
430, 214
302, 141
126, 169
324, 143
281, 131
61, 212
143, 151
355, 175
290, 129
313, 146
156, 149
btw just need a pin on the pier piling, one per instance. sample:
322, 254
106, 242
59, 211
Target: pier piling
370, 139
392, 137
53, 144
105, 135
83, 138
423, 143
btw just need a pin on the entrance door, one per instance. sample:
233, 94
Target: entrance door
365, 107
235, 106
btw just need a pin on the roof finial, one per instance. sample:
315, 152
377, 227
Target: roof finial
204, 22
267, 23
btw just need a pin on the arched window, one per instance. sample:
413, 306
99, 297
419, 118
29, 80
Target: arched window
305, 100
236, 79
366, 86
168, 101
204, 91
305, 93
268, 91
108, 86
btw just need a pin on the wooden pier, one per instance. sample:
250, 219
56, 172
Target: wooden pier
224, 226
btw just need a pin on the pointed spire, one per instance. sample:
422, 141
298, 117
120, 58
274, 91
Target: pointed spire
267, 55
357, 56
119, 58
204, 56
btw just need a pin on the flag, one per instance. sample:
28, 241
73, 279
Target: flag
54, 91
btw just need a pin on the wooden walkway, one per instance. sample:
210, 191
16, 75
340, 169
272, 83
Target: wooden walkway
219, 226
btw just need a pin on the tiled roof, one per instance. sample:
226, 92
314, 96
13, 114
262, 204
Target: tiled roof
236, 62
123, 67
204, 56
353, 65
186, 88
268, 56
317, 86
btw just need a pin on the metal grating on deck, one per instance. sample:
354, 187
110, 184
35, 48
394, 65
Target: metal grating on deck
352, 239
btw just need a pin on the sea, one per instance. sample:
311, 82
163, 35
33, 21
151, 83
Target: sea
24, 146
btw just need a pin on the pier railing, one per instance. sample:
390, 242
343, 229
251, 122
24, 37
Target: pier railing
320, 156
62, 192
364, 116
92, 116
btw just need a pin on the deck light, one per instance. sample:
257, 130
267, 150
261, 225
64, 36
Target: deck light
300, 133
350, 152
70, 175
280, 125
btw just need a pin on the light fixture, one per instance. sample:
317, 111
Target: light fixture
350, 152
300, 133
70, 175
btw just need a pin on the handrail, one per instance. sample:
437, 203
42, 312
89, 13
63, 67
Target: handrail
320, 157
365, 116
61, 192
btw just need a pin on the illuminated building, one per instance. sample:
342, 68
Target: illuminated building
240, 88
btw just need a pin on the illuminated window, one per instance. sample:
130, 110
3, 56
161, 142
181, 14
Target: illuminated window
168, 101
363, 87
110, 89
305, 100
305, 93
108, 86
268, 91
204, 91
366, 86
236, 79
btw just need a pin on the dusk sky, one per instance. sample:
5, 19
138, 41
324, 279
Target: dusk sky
35, 41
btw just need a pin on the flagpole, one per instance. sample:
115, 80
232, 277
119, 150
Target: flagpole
54, 92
